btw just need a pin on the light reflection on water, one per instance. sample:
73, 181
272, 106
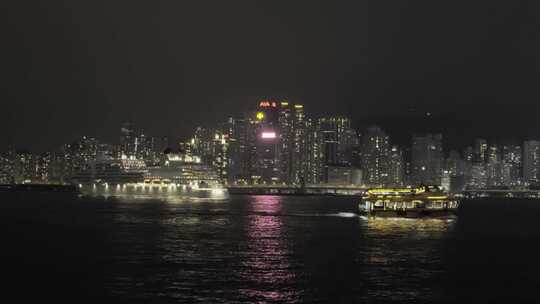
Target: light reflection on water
268, 249
405, 251
265, 266
410, 227
161, 195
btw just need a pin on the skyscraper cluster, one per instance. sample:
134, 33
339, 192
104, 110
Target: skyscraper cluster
277, 143
486, 165
61, 165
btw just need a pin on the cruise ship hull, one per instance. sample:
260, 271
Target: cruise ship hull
153, 191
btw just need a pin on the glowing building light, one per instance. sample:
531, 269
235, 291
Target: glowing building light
264, 104
260, 115
268, 135
284, 104
298, 106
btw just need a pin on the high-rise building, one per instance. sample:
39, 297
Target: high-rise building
497, 172
397, 167
299, 153
7, 167
315, 155
531, 161
43, 167
512, 159
59, 169
337, 140
266, 169
427, 156
286, 141
407, 165
220, 155
479, 176
468, 156
127, 140
328, 130
145, 148
493, 154
202, 144
25, 170
243, 151
480, 149
375, 157
454, 164
227, 128
348, 141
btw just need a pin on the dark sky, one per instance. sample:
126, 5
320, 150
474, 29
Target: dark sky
73, 68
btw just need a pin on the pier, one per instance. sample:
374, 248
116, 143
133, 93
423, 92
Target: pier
296, 190
501, 193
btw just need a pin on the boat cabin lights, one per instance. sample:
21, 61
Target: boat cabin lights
441, 197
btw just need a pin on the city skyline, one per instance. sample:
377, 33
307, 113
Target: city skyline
452, 136
405, 135
270, 151
278, 142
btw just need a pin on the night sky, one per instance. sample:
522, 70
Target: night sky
73, 68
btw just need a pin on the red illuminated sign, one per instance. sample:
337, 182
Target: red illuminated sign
266, 104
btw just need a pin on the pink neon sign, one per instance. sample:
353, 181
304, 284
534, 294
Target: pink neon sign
268, 135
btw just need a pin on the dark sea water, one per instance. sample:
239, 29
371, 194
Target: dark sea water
264, 249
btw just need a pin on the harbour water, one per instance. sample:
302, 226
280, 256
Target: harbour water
265, 249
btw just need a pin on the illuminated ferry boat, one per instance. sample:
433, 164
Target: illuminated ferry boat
177, 175
427, 201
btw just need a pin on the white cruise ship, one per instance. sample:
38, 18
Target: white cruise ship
178, 175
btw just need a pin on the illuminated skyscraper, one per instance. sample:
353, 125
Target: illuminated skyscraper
25, 167
286, 141
315, 155
348, 141
127, 140
396, 171
337, 142
479, 176
531, 161
242, 151
299, 154
468, 154
7, 170
494, 167
202, 144
375, 157
145, 148
454, 164
427, 157
220, 155
43, 167
480, 149
512, 158
329, 143
266, 170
